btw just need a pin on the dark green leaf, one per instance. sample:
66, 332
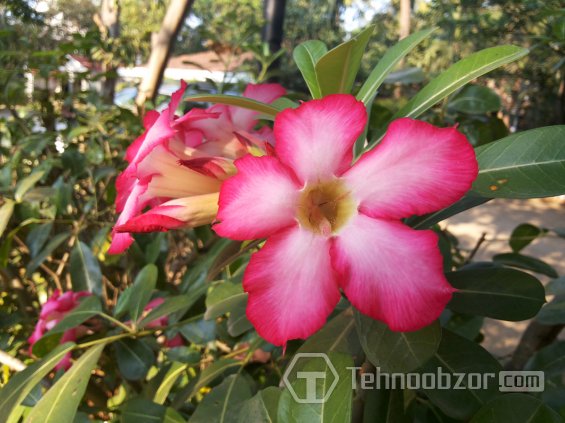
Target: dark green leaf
526, 263
528, 164
238, 323
457, 355
556, 286
87, 308
223, 298
550, 359
223, 404
337, 69
500, 293
211, 373
26, 184
523, 235
21, 384
199, 332
516, 408
306, 55
134, 299
335, 387
60, 403
475, 99
395, 352
134, 358
172, 305
553, 313
37, 238
142, 410
85, 270
232, 100
46, 252
392, 56
262, 407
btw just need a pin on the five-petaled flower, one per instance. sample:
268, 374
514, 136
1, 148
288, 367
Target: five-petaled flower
177, 166
52, 312
331, 225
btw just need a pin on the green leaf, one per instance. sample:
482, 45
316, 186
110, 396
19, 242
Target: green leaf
21, 383
60, 403
553, 313
199, 332
529, 164
396, 352
232, 100
85, 270
168, 381
384, 406
135, 297
26, 184
88, 307
525, 262
306, 55
223, 403
475, 99
523, 235
551, 360
392, 56
223, 298
262, 407
46, 252
238, 323
134, 358
335, 387
141, 410
172, 305
556, 286
337, 69
37, 238
516, 408
457, 355
5, 214
210, 373
497, 292
458, 75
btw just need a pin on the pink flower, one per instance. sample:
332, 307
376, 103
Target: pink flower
177, 166
52, 312
176, 341
332, 225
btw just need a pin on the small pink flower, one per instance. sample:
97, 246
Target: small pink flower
332, 225
52, 312
177, 166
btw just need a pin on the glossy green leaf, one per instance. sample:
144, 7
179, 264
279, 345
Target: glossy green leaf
176, 370
199, 332
497, 292
172, 305
457, 355
337, 69
61, 401
26, 184
390, 59
37, 238
338, 404
525, 262
395, 352
224, 402
458, 75
51, 246
223, 298
232, 100
475, 99
523, 235
85, 270
528, 164
134, 299
262, 407
6, 211
306, 55
516, 408
21, 383
134, 358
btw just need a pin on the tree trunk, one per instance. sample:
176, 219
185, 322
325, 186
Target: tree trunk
274, 11
404, 18
110, 20
161, 46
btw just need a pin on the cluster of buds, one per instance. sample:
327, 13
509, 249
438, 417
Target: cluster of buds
177, 166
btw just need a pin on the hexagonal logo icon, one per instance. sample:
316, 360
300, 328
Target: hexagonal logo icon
311, 379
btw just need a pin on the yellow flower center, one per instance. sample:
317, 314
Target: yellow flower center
325, 207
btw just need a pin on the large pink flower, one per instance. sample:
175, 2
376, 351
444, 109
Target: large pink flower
52, 312
332, 225
177, 166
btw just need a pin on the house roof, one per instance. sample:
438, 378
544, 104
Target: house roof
209, 60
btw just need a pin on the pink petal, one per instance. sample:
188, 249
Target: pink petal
176, 97
148, 121
391, 273
219, 128
291, 285
159, 133
245, 119
133, 206
258, 201
417, 169
316, 139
